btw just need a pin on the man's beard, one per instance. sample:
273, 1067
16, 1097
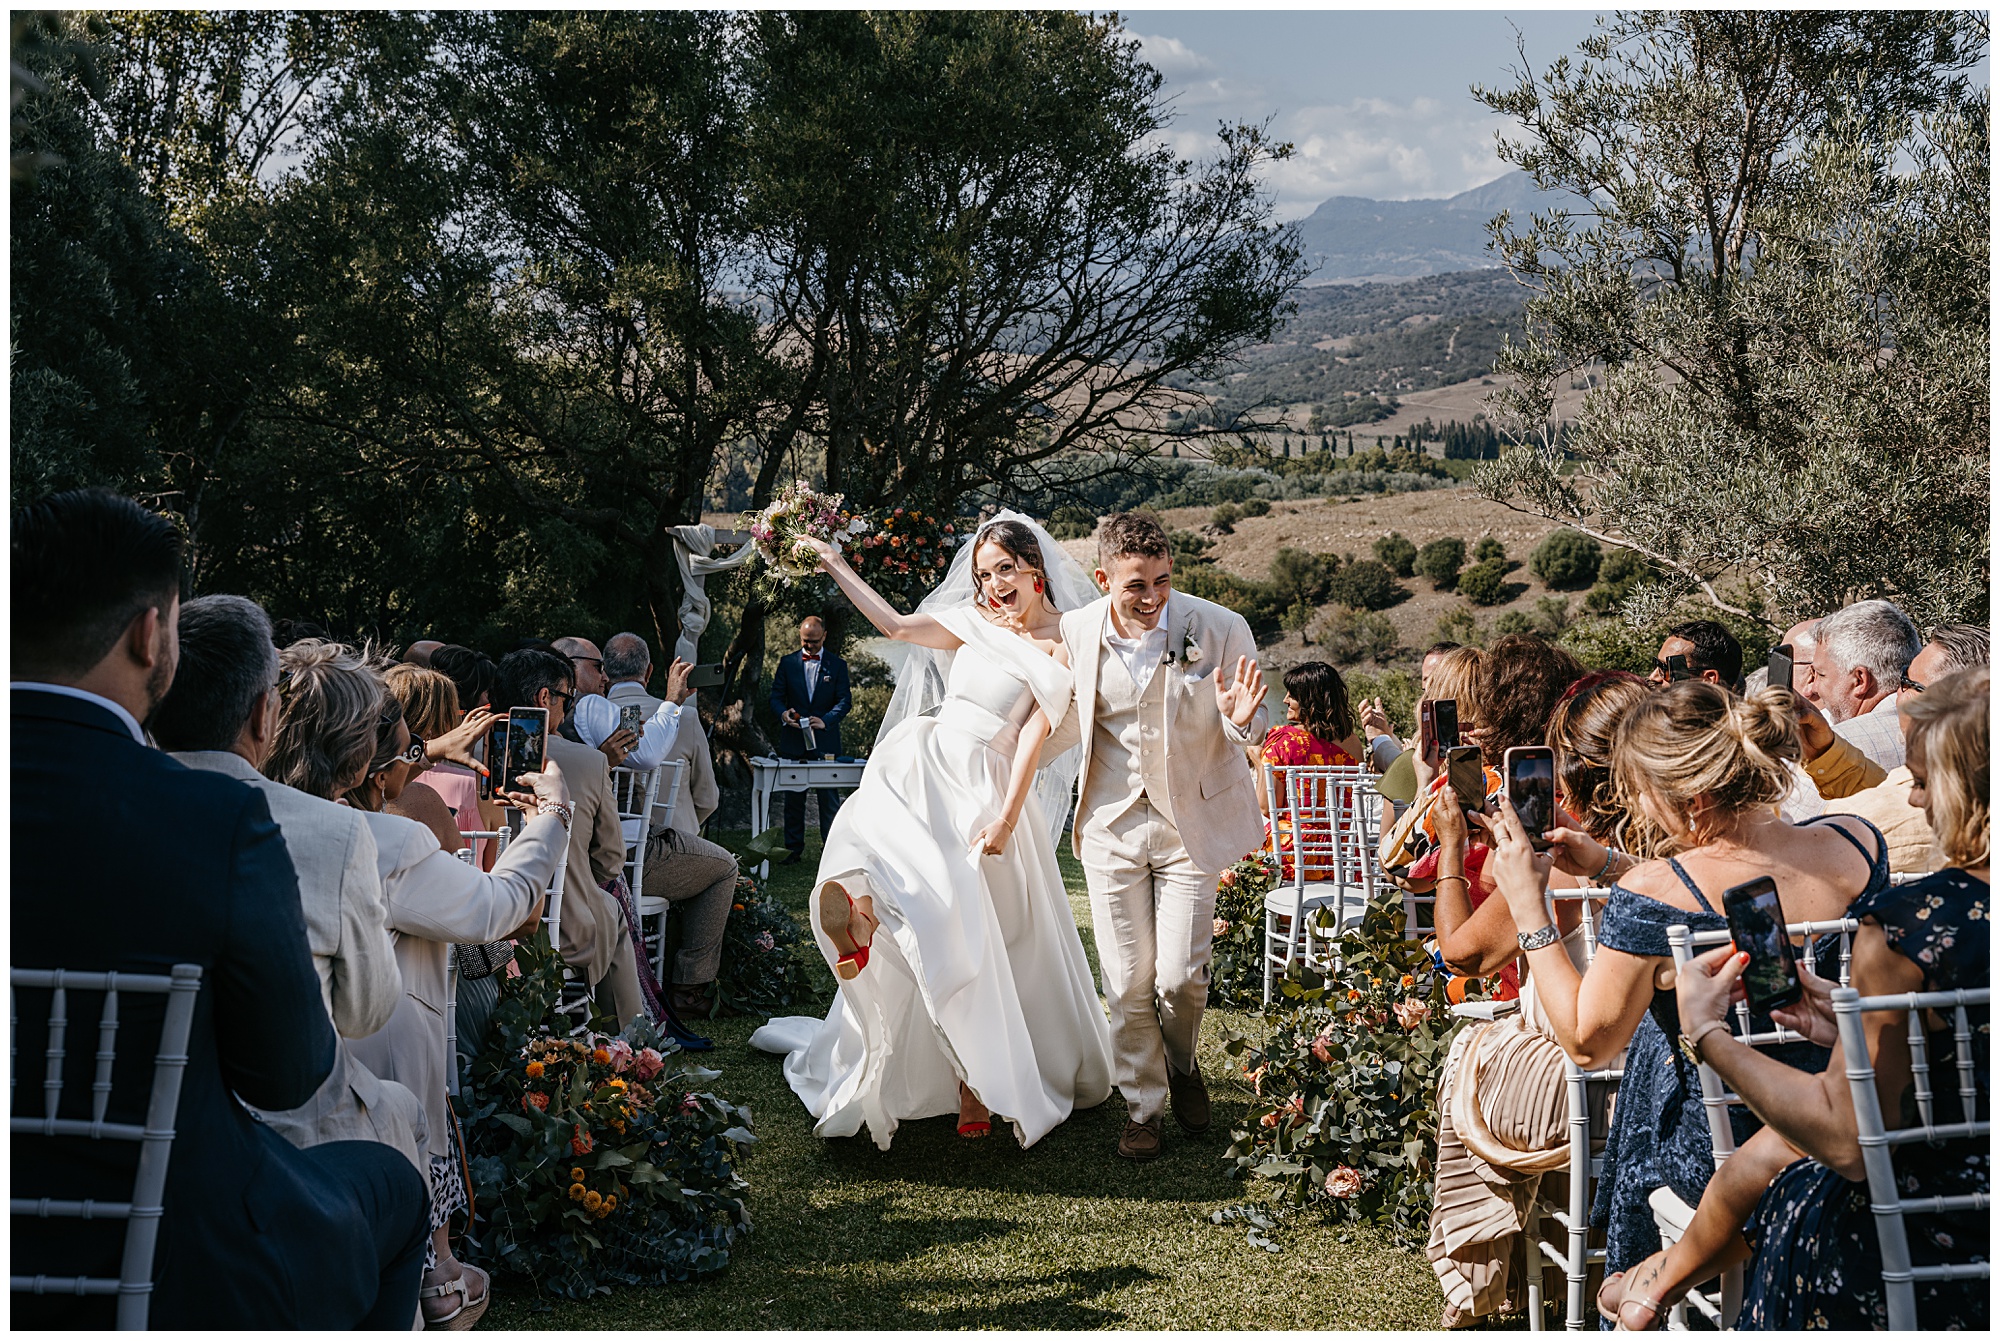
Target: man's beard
157, 685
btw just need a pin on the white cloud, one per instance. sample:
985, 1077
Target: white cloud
1172, 57
1377, 148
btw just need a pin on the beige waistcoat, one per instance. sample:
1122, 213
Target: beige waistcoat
1128, 742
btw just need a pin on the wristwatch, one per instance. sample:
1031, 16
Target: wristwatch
1538, 940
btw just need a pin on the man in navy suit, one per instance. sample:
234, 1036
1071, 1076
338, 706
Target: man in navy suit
126, 860
810, 691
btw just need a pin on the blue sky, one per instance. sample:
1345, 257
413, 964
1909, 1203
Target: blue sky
1375, 101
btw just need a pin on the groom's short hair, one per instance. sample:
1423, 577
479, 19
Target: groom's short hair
1126, 533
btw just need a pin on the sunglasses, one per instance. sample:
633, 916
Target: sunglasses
1907, 683
415, 754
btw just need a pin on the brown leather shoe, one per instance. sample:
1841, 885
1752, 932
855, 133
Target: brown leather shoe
1188, 1096
1141, 1140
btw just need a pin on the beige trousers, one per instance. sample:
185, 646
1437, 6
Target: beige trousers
1153, 913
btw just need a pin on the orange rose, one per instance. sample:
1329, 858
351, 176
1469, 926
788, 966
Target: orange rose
536, 1100
580, 1144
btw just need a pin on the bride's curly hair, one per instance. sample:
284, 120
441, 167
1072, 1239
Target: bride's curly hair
1021, 546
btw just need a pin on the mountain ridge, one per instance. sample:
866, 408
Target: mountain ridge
1350, 238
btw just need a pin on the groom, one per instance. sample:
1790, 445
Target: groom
1168, 696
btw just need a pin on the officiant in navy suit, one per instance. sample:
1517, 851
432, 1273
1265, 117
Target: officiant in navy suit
810, 692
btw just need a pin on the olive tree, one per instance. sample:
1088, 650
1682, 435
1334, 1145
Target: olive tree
1774, 240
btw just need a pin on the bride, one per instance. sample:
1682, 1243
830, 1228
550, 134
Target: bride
963, 984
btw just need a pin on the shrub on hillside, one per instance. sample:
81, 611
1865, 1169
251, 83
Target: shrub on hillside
1620, 571
1398, 552
1303, 578
1070, 522
1488, 549
1346, 636
1365, 583
1568, 560
1484, 583
1440, 561
1256, 507
1459, 626
1549, 619
1225, 517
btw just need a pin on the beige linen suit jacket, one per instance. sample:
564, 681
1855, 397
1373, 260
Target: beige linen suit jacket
1213, 795
436, 901
593, 925
340, 891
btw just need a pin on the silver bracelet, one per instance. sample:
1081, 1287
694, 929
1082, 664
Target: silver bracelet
558, 809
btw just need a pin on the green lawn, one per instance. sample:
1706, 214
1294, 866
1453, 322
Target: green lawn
941, 1232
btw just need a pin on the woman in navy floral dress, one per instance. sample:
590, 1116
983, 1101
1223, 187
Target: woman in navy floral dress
1699, 774
1814, 1258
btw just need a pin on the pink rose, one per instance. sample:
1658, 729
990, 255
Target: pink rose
765, 941
621, 1054
647, 1064
690, 1104
1343, 1182
1320, 1049
1411, 1012
1221, 927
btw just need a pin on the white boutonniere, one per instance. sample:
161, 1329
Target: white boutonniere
1190, 649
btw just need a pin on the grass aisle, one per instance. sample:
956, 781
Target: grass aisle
940, 1232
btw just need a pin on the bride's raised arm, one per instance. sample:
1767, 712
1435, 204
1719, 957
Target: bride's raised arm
920, 629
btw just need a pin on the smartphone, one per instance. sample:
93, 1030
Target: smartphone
708, 676
632, 717
1780, 672
527, 745
1444, 721
1531, 790
495, 756
1757, 924
1466, 770
1677, 669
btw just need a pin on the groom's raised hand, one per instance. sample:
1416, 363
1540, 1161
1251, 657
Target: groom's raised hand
1237, 698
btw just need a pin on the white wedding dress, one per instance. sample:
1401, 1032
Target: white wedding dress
977, 969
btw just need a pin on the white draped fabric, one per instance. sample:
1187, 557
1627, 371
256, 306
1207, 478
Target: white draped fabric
978, 970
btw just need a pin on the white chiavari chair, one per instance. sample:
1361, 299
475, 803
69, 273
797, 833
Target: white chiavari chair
133, 1285
1719, 1305
1886, 1192
1321, 834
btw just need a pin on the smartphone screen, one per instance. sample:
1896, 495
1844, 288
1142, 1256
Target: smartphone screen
707, 676
1466, 770
1757, 924
1444, 721
633, 717
1531, 789
1780, 673
527, 744
495, 758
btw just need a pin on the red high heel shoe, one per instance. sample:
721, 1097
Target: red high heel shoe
837, 920
973, 1130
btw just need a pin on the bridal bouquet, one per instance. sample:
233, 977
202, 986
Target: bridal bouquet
798, 512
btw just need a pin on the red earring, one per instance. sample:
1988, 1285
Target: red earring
1038, 585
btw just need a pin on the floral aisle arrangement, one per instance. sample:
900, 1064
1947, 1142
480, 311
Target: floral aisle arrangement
1236, 969
902, 552
1347, 1079
597, 1161
798, 512
764, 954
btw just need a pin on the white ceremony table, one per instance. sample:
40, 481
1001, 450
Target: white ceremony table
770, 776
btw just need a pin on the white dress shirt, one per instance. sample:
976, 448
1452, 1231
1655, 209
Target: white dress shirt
1142, 655
597, 718
70, 691
811, 666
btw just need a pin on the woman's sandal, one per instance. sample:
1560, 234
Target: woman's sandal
1615, 1310
469, 1310
978, 1127
836, 919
